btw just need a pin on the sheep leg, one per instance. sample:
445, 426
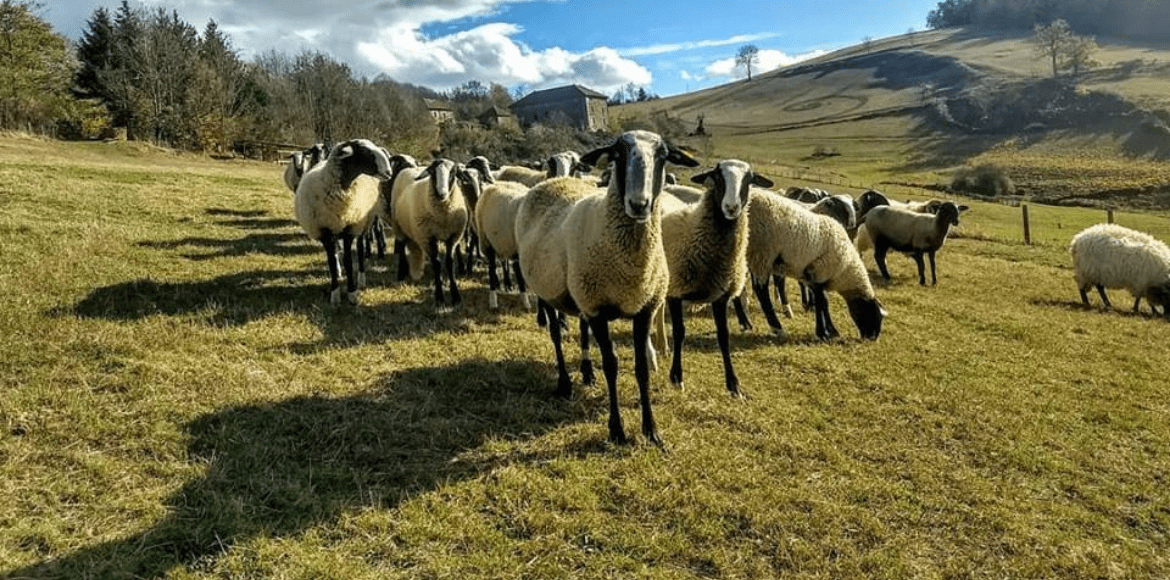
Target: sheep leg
493, 278
362, 254
600, 328
380, 237
433, 250
719, 311
880, 248
564, 383
807, 298
921, 268
642, 370
782, 294
1104, 297
452, 283
403, 265
678, 332
745, 323
933, 278
524, 295
351, 285
765, 299
507, 266
330, 244
1084, 295
587, 377
825, 328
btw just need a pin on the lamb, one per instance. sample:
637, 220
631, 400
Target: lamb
786, 236
911, 233
599, 255
1112, 256
429, 207
336, 200
706, 254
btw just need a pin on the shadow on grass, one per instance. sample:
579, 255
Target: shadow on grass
273, 470
272, 244
1124, 308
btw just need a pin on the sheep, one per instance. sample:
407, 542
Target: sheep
495, 222
912, 233
871, 199
429, 207
398, 162
1112, 256
598, 254
805, 194
566, 163
336, 200
301, 161
786, 236
706, 254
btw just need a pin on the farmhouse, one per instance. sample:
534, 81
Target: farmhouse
441, 112
572, 105
498, 117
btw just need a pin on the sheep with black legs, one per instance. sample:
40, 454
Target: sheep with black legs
910, 232
429, 209
785, 236
495, 222
872, 199
599, 255
841, 208
706, 254
1113, 256
336, 201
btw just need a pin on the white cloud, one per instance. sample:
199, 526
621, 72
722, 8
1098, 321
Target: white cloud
726, 69
679, 46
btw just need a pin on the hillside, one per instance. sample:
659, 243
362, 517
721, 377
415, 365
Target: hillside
912, 108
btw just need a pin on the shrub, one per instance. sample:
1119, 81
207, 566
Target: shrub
988, 180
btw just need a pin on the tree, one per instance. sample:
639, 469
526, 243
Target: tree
951, 13
36, 70
748, 55
1063, 47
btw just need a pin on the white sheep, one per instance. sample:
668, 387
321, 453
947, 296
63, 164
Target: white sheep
911, 233
429, 208
337, 200
787, 237
600, 256
841, 208
1112, 256
706, 253
495, 223
301, 161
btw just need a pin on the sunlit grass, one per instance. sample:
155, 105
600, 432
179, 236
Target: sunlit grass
178, 399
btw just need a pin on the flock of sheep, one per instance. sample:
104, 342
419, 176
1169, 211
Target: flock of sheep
635, 245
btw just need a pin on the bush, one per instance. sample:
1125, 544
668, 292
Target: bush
462, 141
988, 180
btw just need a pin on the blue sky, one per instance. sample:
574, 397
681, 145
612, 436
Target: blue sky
667, 47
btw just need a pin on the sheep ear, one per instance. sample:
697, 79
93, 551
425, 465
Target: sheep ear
761, 181
963, 208
344, 151
593, 157
699, 178
680, 157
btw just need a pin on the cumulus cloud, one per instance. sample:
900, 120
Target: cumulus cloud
678, 46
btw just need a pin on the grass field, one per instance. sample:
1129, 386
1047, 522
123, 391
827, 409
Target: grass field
179, 400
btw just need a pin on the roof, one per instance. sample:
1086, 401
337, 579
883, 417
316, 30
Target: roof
436, 105
495, 111
557, 94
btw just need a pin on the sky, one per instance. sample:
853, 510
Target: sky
666, 47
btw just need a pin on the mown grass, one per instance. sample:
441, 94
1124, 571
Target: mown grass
179, 400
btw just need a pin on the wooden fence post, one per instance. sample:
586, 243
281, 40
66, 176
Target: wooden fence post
1027, 226
1109, 215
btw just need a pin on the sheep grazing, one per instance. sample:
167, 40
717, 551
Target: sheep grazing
429, 208
599, 255
495, 222
843, 210
706, 254
785, 236
911, 233
336, 201
1112, 256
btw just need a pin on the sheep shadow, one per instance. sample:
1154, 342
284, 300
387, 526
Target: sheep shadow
275, 469
269, 243
1125, 309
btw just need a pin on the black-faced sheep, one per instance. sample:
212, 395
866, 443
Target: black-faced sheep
302, 161
429, 208
599, 255
910, 232
1112, 256
337, 200
786, 236
706, 253
495, 221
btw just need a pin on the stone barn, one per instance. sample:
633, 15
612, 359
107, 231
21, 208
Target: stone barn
572, 105
498, 117
441, 112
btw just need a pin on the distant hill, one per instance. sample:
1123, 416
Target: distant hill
939, 99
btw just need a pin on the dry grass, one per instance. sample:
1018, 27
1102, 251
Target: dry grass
178, 400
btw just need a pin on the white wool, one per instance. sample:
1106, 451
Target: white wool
1118, 257
420, 215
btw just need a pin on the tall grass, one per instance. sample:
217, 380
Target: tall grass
179, 400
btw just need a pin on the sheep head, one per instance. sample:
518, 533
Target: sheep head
566, 163
867, 313
442, 173
483, 166
639, 159
360, 157
730, 181
472, 183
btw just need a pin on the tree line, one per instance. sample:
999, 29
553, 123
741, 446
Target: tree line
1145, 19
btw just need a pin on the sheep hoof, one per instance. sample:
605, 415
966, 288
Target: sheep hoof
527, 298
361, 280
780, 333
787, 311
677, 384
335, 296
587, 376
493, 300
354, 297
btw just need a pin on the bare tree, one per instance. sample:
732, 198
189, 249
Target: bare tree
748, 55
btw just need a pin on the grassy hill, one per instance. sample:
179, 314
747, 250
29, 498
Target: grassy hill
910, 109
179, 400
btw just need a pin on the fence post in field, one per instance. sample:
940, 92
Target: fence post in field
1027, 226
1109, 215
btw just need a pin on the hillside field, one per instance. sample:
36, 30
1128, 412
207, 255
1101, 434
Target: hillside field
179, 400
